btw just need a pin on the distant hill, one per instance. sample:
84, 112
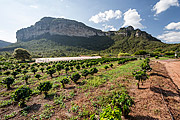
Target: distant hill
4, 43
63, 37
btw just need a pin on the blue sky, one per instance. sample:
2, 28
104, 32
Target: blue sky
160, 18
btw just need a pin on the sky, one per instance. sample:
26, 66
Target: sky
160, 18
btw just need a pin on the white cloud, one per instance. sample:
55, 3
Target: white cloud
132, 18
8, 36
33, 6
163, 5
108, 27
106, 16
173, 25
170, 37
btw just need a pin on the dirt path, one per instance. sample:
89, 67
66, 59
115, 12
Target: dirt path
158, 98
173, 69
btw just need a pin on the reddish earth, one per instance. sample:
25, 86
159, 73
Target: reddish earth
173, 69
159, 97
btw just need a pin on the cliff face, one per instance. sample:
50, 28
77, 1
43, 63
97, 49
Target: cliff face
57, 26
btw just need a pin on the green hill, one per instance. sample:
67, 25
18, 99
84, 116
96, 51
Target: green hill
54, 37
4, 43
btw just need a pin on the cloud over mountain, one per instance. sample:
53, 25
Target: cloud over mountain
132, 18
106, 16
170, 36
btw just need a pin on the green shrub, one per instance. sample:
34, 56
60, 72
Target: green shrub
8, 81
45, 87
26, 77
78, 67
145, 66
37, 76
93, 70
123, 101
141, 52
7, 73
140, 76
21, 94
64, 81
111, 65
85, 73
42, 69
75, 77
123, 54
51, 71
24, 72
111, 113
59, 67
34, 70
106, 67
14, 73
156, 57
67, 69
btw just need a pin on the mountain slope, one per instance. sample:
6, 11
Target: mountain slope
4, 43
60, 37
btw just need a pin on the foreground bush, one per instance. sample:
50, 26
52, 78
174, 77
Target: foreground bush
111, 113
21, 94
124, 102
45, 87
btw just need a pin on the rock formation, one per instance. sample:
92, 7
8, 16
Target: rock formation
56, 26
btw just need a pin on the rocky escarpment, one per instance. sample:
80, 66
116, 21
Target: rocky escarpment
131, 32
56, 26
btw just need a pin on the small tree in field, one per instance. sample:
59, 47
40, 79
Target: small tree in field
37, 76
34, 70
24, 72
93, 70
59, 67
21, 54
8, 81
7, 73
64, 81
78, 67
51, 71
42, 69
106, 67
111, 65
85, 73
45, 87
75, 77
67, 69
140, 76
21, 94
14, 73
26, 77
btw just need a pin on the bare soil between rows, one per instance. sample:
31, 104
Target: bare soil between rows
157, 99
149, 103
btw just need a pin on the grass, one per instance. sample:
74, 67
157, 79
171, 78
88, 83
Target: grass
97, 88
161, 58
